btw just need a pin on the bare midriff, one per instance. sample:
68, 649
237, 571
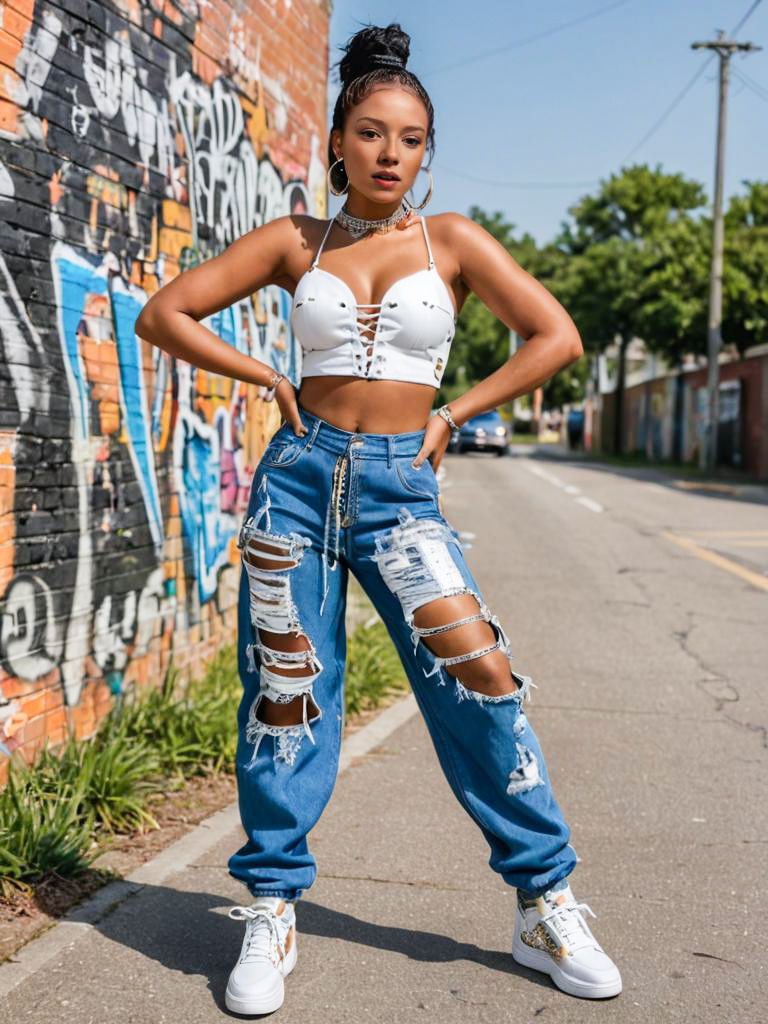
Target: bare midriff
368, 406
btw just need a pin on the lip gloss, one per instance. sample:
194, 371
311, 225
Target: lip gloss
386, 183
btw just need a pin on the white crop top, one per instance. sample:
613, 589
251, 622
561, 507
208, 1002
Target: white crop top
410, 339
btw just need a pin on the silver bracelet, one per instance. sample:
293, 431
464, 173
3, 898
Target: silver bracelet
274, 380
445, 413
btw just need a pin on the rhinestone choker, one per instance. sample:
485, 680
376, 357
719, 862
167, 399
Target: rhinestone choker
358, 226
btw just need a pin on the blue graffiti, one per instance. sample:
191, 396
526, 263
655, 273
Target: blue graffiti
126, 306
76, 278
207, 528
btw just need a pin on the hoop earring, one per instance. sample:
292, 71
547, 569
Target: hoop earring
426, 199
331, 189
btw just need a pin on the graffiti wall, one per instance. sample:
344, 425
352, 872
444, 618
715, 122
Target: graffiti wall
666, 417
137, 138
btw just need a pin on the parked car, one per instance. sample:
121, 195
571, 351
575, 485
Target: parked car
575, 427
486, 432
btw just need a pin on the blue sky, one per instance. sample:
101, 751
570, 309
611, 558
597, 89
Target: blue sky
529, 130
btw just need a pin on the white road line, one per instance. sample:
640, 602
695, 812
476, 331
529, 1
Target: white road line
572, 489
593, 506
550, 477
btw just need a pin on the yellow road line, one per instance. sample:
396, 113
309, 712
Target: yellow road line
722, 563
702, 485
729, 533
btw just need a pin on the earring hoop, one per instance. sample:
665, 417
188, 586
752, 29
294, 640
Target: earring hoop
331, 189
426, 198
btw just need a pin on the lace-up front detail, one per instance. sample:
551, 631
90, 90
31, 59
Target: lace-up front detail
564, 920
265, 935
407, 336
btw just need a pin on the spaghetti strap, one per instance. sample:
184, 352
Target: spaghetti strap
423, 220
327, 232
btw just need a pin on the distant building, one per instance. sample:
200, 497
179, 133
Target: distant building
666, 408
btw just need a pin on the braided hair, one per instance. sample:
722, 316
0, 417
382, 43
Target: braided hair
371, 56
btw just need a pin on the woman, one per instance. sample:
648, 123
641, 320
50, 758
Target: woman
348, 483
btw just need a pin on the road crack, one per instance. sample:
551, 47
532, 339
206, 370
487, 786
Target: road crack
714, 684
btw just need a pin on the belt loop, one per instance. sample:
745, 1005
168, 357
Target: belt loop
313, 435
390, 449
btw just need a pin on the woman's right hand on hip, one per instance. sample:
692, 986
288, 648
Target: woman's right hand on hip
285, 395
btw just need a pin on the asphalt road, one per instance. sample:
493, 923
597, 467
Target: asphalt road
638, 606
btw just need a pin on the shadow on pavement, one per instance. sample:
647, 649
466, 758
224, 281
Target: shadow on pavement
190, 933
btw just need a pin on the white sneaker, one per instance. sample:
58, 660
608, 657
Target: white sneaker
268, 955
551, 935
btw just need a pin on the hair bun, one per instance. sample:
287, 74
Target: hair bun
372, 47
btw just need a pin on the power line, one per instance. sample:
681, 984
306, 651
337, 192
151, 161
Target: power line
753, 7
527, 39
686, 89
749, 14
750, 83
741, 87
749, 78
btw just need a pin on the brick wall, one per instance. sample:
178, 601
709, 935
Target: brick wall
666, 417
137, 138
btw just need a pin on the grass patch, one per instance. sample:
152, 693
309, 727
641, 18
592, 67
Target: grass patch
59, 814
374, 669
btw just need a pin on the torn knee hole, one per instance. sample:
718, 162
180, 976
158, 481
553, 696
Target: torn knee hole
288, 713
489, 674
477, 643
267, 718
286, 654
450, 626
285, 709
469, 646
417, 566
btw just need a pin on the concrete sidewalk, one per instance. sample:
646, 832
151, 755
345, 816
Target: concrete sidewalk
405, 922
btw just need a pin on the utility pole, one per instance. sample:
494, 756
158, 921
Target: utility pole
724, 48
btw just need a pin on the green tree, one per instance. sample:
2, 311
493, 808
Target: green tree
745, 272
673, 296
482, 341
616, 283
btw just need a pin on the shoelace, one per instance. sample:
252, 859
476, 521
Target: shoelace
569, 926
262, 924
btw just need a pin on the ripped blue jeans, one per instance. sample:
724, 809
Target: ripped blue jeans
322, 505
